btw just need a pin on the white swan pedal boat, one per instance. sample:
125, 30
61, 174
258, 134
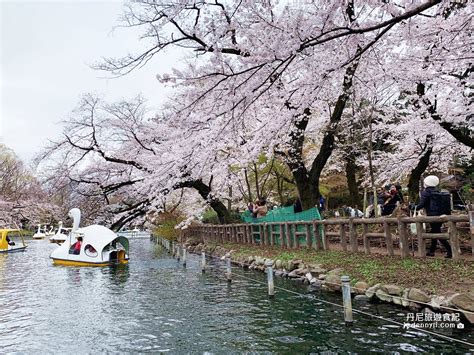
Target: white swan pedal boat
59, 237
99, 246
39, 234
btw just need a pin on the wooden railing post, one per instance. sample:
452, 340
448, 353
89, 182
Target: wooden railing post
288, 235
267, 233
342, 235
388, 238
317, 234
275, 235
296, 236
353, 235
365, 230
325, 237
421, 241
402, 231
453, 239
309, 242
282, 235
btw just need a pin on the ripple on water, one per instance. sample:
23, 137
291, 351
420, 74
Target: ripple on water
155, 305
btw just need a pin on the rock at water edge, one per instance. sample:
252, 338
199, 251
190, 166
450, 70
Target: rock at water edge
383, 296
371, 290
333, 282
360, 287
392, 290
464, 301
418, 295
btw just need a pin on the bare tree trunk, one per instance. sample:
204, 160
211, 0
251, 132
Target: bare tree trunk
205, 192
229, 200
371, 169
307, 182
419, 169
352, 182
247, 182
257, 187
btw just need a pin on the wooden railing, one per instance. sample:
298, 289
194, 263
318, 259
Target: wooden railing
346, 232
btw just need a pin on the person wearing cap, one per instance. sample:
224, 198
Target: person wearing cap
430, 183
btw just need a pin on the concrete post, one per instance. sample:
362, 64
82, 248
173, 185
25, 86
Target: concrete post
229, 269
271, 286
203, 262
346, 299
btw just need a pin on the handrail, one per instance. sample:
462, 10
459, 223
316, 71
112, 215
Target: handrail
314, 234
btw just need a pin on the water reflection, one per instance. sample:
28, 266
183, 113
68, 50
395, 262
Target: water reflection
118, 274
3, 258
73, 275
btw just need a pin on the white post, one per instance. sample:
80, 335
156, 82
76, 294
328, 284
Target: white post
184, 256
229, 270
271, 286
203, 262
346, 299
178, 254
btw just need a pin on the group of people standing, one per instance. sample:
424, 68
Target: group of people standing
388, 198
258, 208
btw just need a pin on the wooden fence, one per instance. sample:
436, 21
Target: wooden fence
319, 235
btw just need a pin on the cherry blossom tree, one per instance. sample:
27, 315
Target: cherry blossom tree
274, 79
22, 199
117, 154
265, 73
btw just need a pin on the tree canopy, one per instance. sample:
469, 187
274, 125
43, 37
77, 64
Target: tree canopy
307, 84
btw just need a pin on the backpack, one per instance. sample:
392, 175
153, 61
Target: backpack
440, 203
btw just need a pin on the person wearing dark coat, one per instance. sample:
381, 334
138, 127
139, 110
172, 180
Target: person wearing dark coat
297, 207
391, 203
430, 184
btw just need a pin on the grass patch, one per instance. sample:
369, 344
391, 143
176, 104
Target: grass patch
435, 274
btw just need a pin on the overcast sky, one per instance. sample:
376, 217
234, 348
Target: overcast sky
46, 50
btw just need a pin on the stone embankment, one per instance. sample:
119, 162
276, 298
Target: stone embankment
320, 278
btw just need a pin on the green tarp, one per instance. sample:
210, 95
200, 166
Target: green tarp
281, 215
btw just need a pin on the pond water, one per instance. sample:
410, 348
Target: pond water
155, 305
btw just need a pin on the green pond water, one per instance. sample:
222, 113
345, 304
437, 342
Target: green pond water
154, 305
